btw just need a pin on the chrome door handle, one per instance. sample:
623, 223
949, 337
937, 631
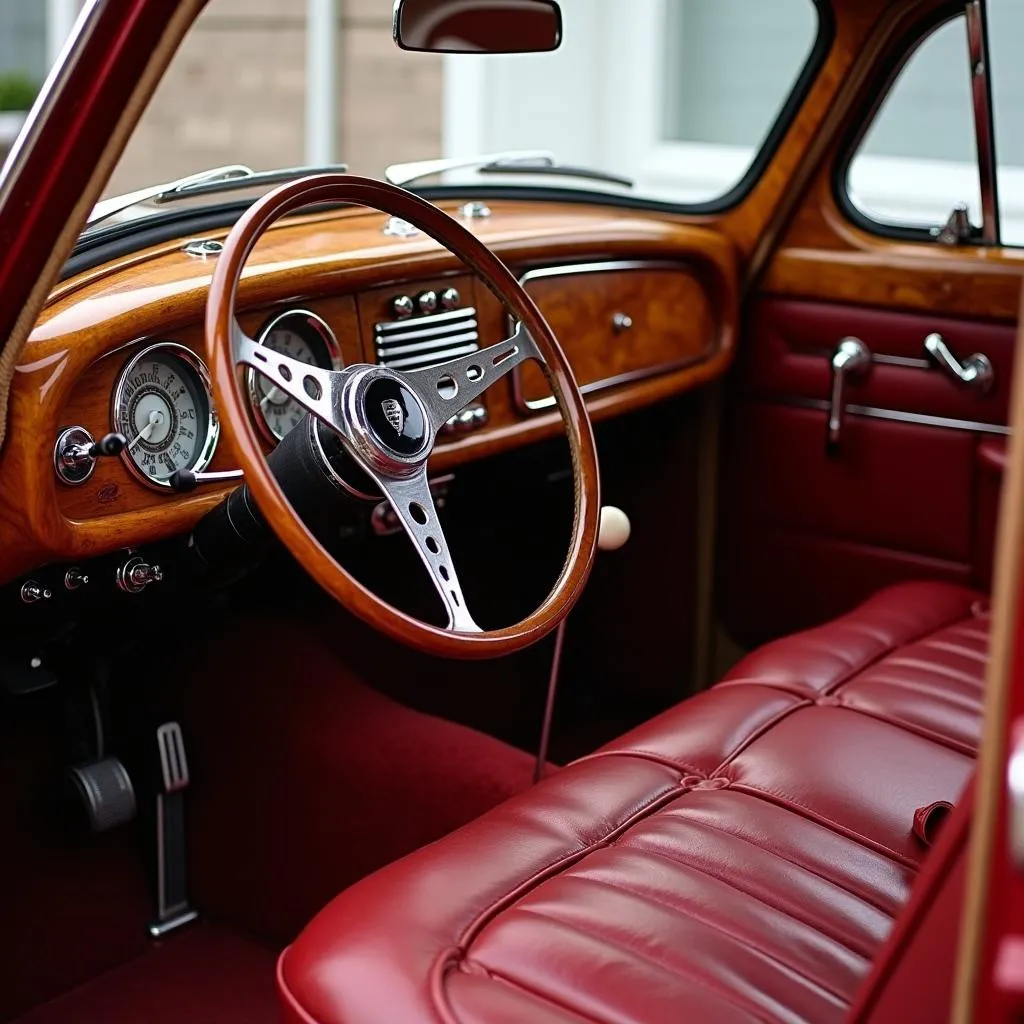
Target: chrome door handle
852, 359
974, 372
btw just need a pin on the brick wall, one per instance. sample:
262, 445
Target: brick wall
235, 93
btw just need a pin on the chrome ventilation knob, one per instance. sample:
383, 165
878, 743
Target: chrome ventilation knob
403, 307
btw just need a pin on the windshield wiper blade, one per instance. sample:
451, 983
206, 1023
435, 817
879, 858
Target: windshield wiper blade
230, 178
533, 162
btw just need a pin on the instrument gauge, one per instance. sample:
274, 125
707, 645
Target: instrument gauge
303, 336
163, 406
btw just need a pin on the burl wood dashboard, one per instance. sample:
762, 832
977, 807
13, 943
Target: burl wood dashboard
644, 307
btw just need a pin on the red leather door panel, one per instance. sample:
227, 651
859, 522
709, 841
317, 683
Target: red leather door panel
806, 536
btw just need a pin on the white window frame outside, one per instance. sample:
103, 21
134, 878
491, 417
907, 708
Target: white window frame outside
626, 135
627, 132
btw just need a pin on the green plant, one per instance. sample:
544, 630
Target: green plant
17, 91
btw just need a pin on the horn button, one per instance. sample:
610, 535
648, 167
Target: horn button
395, 417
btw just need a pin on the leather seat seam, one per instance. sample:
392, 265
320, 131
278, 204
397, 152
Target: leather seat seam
703, 981
947, 742
938, 669
804, 811
645, 755
498, 977
754, 736
289, 992
483, 918
660, 855
668, 762
896, 645
742, 940
958, 649
903, 642
787, 860
927, 688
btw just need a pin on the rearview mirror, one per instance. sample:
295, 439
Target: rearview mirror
478, 26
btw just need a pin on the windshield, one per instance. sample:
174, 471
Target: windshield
678, 96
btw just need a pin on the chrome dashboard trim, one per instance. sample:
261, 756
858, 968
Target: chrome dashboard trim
902, 416
908, 362
601, 266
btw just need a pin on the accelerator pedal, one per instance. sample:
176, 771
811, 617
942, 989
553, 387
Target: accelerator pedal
173, 908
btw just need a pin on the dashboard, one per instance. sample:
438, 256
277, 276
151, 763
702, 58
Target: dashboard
644, 306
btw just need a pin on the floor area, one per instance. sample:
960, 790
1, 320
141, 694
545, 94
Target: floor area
304, 780
204, 975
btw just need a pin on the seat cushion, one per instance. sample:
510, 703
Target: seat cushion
740, 858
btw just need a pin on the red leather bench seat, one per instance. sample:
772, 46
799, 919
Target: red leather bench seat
740, 858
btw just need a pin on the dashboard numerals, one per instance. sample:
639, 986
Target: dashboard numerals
303, 336
162, 405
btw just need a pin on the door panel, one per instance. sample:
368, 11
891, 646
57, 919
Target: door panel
805, 534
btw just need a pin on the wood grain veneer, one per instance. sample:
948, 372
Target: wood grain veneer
335, 263
669, 324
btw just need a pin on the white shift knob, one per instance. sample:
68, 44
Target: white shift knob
614, 530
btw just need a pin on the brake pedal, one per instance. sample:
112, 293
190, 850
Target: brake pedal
173, 909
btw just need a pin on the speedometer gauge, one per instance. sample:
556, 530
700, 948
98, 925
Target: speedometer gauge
162, 406
305, 337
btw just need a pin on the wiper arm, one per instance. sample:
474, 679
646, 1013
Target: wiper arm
539, 162
230, 178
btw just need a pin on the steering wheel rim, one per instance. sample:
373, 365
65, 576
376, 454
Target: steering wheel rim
340, 398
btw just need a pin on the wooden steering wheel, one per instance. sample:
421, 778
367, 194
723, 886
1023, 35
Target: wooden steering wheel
389, 421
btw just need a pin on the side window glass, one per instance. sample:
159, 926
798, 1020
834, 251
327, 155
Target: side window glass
729, 68
1005, 33
919, 159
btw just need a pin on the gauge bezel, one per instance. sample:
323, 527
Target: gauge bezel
192, 363
325, 335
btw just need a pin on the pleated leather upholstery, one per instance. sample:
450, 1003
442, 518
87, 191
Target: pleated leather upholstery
740, 858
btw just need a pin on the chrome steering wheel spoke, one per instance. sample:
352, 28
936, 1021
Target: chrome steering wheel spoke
449, 387
317, 390
413, 503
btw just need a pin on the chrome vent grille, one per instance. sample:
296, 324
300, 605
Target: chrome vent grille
427, 340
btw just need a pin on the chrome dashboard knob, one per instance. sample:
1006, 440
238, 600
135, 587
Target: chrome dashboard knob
33, 591
427, 302
403, 307
75, 579
450, 299
135, 575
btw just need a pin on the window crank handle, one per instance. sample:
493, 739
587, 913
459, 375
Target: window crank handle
974, 372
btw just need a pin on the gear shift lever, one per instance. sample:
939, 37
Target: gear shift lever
613, 534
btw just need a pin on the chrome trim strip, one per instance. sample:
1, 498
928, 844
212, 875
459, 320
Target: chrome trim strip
981, 90
52, 87
430, 359
901, 416
398, 326
909, 362
600, 267
435, 344
439, 333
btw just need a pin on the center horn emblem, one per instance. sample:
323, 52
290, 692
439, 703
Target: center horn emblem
395, 414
